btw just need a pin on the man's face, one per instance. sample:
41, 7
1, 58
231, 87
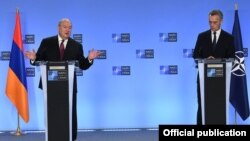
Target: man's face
65, 29
215, 22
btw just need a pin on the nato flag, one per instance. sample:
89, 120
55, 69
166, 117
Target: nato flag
238, 88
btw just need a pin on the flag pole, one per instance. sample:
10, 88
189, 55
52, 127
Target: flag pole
235, 112
18, 130
235, 117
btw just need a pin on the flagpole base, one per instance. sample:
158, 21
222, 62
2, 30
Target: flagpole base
18, 132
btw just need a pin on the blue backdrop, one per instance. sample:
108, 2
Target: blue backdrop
161, 87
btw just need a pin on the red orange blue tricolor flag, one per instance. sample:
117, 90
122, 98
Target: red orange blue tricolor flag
16, 85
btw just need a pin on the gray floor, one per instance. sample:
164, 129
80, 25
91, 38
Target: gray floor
97, 135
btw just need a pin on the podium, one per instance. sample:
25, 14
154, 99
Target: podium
214, 78
57, 83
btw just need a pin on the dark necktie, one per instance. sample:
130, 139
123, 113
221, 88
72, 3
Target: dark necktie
214, 40
61, 50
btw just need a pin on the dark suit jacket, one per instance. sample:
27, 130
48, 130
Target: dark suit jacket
224, 47
49, 51
204, 48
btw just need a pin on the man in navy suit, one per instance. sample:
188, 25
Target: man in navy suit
211, 44
49, 50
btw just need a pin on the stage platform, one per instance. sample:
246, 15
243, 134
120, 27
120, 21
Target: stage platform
90, 135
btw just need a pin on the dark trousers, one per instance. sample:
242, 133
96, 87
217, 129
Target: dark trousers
199, 114
74, 117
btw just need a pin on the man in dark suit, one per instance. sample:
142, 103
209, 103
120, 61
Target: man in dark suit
212, 44
63, 48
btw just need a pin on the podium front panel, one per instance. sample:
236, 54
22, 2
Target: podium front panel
215, 93
57, 81
58, 102
214, 82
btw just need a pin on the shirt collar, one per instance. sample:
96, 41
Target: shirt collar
60, 39
217, 32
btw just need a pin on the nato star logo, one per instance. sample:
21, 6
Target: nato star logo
140, 53
116, 37
188, 53
238, 68
117, 70
163, 37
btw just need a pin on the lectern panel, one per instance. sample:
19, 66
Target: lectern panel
215, 94
57, 81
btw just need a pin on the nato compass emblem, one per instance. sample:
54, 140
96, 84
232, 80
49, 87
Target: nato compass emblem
238, 68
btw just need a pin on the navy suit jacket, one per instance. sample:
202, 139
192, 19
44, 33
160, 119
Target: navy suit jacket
49, 51
224, 47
